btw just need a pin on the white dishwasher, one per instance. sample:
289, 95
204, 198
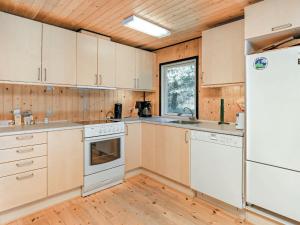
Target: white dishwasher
217, 166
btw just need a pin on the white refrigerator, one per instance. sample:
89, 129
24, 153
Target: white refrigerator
273, 131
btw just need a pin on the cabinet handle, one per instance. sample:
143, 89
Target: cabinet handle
39, 75
186, 136
45, 74
126, 129
284, 26
25, 163
24, 177
100, 79
21, 138
25, 150
96, 76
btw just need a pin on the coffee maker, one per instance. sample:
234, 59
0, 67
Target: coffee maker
144, 108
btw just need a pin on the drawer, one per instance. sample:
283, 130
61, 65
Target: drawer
27, 152
21, 166
22, 188
22, 140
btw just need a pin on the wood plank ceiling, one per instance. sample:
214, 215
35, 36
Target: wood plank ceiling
185, 18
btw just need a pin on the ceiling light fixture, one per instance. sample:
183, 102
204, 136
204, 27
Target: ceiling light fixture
145, 26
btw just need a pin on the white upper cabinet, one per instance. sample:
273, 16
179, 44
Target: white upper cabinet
144, 69
58, 56
20, 49
125, 67
107, 63
271, 16
223, 60
87, 60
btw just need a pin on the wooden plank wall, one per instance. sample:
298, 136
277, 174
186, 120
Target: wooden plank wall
64, 103
209, 98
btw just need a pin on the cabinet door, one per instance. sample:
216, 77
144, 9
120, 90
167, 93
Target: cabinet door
172, 153
107, 63
223, 54
271, 16
125, 67
133, 152
59, 55
144, 69
87, 59
20, 47
65, 160
148, 146
22, 188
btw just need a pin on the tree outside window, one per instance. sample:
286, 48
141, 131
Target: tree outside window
178, 87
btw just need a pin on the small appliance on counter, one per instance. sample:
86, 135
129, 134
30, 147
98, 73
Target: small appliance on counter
240, 121
28, 118
144, 108
118, 111
17, 117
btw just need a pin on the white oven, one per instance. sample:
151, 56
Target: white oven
103, 152
104, 155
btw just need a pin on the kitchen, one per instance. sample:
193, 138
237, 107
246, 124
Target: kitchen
104, 124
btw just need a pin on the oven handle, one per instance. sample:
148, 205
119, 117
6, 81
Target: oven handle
104, 138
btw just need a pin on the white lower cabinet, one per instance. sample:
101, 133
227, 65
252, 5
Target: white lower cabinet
22, 188
274, 189
133, 153
65, 160
23, 165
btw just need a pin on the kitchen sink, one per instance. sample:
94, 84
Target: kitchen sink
185, 122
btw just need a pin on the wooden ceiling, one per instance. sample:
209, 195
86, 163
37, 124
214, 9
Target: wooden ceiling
185, 18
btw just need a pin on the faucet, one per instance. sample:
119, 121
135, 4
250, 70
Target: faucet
193, 117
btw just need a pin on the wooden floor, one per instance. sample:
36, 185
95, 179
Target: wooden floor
138, 201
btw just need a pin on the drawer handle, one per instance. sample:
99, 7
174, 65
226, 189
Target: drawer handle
284, 26
21, 138
24, 177
25, 163
25, 150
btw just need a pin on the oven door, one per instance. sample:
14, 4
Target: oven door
102, 153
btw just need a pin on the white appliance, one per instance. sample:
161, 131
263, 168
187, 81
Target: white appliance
273, 137
104, 156
240, 121
217, 166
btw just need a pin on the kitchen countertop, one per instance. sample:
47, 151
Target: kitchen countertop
209, 126
41, 127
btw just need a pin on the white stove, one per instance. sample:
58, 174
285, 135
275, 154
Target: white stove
104, 156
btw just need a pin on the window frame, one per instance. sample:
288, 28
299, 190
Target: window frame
161, 88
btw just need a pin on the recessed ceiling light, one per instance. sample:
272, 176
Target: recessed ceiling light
145, 26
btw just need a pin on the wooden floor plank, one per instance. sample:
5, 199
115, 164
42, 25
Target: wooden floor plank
138, 201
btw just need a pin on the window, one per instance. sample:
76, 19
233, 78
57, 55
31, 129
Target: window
179, 88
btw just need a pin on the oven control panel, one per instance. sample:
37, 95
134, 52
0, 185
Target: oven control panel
104, 129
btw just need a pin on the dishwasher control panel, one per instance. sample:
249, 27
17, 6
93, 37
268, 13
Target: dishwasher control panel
222, 139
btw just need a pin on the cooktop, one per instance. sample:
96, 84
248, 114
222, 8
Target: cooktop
96, 122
